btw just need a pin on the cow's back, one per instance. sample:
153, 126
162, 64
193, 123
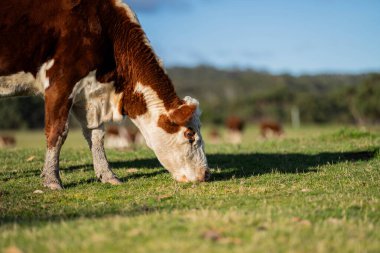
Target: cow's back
64, 35
28, 34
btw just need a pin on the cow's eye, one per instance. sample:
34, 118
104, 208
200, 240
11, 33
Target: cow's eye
190, 135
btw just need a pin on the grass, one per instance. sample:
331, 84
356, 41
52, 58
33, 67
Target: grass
314, 190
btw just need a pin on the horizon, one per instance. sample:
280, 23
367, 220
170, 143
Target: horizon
279, 73
297, 38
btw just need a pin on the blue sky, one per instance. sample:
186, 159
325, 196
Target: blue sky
296, 36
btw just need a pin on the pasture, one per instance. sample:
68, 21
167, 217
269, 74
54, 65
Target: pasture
315, 190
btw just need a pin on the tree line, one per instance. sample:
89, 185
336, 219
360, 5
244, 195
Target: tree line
249, 94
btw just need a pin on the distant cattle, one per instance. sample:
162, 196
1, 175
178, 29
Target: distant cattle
122, 137
7, 141
270, 128
92, 58
214, 136
235, 127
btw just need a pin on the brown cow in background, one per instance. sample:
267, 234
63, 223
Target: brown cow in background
122, 137
235, 127
7, 141
270, 128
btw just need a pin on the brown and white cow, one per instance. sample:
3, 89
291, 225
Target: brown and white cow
92, 58
7, 141
235, 126
269, 128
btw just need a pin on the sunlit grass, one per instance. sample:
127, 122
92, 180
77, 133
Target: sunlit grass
313, 190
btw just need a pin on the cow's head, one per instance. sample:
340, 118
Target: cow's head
175, 138
170, 126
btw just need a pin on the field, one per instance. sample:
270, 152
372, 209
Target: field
314, 190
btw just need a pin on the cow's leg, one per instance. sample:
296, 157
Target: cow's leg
95, 140
57, 107
50, 173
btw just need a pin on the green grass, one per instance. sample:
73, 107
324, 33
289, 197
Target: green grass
314, 190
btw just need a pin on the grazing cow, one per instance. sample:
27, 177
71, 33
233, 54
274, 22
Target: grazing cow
91, 57
235, 126
270, 128
214, 136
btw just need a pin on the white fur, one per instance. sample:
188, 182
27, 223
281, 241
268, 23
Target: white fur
99, 100
24, 83
19, 84
41, 75
172, 150
152, 100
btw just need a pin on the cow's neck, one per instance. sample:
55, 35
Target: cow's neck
139, 71
147, 91
147, 122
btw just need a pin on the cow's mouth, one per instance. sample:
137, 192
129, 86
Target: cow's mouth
183, 179
203, 178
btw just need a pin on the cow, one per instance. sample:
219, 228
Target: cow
91, 58
122, 137
235, 126
7, 141
270, 128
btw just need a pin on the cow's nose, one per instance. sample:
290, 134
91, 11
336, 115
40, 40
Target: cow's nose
183, 179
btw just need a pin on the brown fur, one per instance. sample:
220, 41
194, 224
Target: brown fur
81, 36
133, 104
169, 126
136, 62
177, 118
183, 114
112, 130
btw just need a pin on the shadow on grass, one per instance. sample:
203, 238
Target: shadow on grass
27, 219
249, 164
8, 175
123, 179
230, 165
136, 164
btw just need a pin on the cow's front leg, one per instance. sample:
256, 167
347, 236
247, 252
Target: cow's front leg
57, 107
50, 173
95, 139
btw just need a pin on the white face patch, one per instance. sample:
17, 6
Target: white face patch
152, 100
25, 84
186, 161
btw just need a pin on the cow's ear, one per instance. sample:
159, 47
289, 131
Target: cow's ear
182, 114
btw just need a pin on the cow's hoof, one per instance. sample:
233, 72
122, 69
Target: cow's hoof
53, 186
112, 181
